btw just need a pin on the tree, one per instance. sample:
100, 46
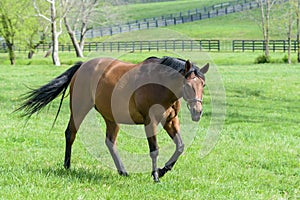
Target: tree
55, 17
285, 22
79, 20
297, 5
35, 31
265, 10
10, 22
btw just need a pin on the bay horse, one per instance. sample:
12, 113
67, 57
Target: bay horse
146, 93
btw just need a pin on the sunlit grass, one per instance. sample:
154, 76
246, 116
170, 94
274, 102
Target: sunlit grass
257, 156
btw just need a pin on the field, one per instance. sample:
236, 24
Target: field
256, 157
255, 153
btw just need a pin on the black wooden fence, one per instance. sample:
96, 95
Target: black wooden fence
172, 45
159, 45
176, 18
259, 45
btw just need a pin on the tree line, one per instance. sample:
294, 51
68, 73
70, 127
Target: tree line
33, 22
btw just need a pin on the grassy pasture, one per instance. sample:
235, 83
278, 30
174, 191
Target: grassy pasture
148, 10
257, 155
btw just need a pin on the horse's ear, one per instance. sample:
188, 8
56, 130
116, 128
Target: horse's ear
188, 66
204, 69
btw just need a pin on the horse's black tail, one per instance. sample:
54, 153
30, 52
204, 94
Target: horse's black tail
36, 99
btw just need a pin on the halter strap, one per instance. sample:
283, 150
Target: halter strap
194, 100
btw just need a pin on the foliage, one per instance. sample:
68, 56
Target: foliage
285, 59
262, 59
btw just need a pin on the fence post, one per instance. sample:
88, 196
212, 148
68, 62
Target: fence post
133, 46
165, 45
200, 47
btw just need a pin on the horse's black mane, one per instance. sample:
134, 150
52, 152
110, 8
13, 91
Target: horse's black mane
177, 64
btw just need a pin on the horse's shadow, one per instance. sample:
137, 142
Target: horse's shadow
81, 174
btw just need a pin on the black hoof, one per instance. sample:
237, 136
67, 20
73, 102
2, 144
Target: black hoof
161, 172
123, 173
155, 176
67, 165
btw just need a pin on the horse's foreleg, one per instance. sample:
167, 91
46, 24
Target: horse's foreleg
111, 142
151, 136
172, 127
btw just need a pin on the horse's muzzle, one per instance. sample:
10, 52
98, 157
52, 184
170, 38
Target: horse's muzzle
196, 115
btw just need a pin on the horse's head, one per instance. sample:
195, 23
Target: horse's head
193, 87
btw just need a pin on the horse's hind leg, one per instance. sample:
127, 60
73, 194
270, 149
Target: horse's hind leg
112, 129
76, 118
70, 135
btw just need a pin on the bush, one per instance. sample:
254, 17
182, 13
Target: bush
285, 59
262, 59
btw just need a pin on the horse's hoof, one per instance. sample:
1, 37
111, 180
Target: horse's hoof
67, 165
123, 173
161, 172
155, 176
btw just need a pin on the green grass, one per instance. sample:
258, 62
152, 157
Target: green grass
257, 155
158, 9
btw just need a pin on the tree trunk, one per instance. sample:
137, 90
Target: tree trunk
298, 31
289, 35
55, 57
265, 21
82, 35
12, 55
267, 52
30, 54
71, 33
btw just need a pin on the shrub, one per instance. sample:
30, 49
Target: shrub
262, 59
285, 59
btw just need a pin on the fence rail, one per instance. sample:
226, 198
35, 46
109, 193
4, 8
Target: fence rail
259, 45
